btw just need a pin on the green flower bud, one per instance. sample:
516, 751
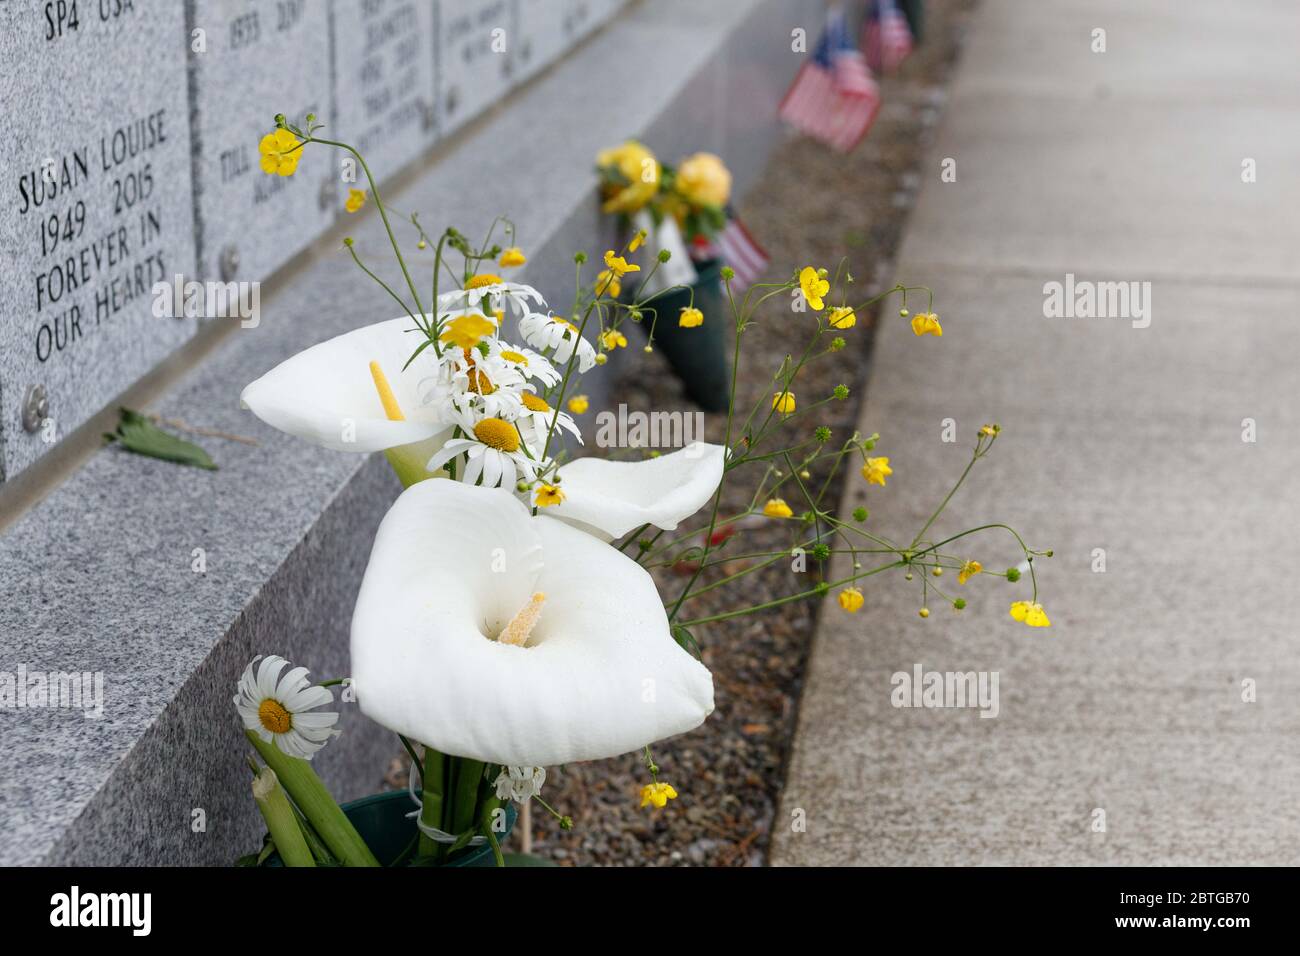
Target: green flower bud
822, 434
837, 343
860, 514
959, 604
823, 588
821, 551
664, 255
1013, 575
841, 392
579, 257
728, 273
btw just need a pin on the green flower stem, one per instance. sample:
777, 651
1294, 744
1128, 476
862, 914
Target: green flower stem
943, 504
316, 804
468, 774
433, 779
813, 592
280, 819
383, 214
717, 495
384, 285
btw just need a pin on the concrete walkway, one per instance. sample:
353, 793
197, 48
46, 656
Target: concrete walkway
1117, 166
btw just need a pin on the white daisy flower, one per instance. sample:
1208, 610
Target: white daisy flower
535, 419
531, 365
520, 784
557, 333
489, 293
467, 380
493, 450
276, 707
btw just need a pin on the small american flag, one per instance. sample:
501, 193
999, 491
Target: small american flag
736, 248
887, 37
834, 98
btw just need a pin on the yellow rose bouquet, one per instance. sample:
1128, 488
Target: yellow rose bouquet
508, 619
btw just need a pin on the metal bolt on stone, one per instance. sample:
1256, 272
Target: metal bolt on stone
329, 194
229, 263
36, 408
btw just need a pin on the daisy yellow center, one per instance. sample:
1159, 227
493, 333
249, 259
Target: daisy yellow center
516, 357
497, 434
274, 717
479, 281
533, 403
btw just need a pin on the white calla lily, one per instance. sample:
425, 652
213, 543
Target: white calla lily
611, 498
485, 632
327, 394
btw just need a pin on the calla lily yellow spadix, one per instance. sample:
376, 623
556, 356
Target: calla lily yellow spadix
327, 394
454, 567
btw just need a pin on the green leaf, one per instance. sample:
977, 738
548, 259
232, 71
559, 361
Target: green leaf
687, 641
140, 435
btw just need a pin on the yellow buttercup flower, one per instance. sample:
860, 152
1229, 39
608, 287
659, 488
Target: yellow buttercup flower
512, 258
635, 244
783, 402
988, 431
851, 600
356, 199
1030, 613
703, 180
280, 151
968, 570
690, 318
842, 318
876, 470
813, 287
658, 794
926, 323
466, 331
777, 508
613, 339
607, 284
638, 171
579, 404
548, 495
618, 265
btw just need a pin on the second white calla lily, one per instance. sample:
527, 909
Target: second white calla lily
611, 498
328, 393
485, 632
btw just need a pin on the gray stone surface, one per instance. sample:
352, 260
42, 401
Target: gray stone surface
384, 77
98, 209
475, 61
546, 28
258, 60
99, 575
1114, 437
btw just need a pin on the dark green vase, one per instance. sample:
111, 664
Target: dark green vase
698, 355
381, 820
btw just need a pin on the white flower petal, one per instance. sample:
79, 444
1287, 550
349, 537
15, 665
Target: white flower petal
614, 497
601, 675
326, 392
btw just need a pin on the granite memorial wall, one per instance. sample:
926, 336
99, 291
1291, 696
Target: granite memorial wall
130, 150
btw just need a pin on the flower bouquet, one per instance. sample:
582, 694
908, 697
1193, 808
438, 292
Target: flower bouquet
678, 208
507, 621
